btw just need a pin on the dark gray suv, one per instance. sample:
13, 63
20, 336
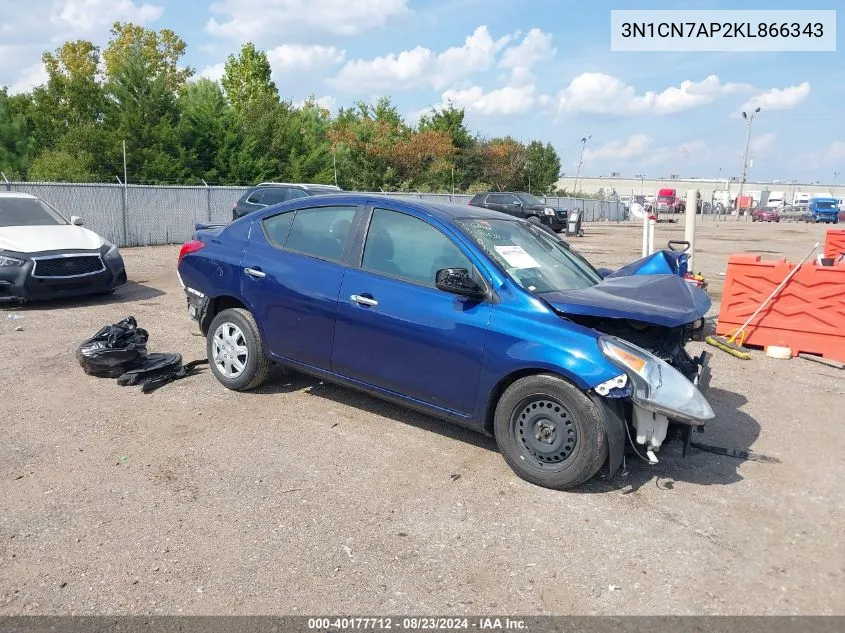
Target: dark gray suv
522, 205
267, 194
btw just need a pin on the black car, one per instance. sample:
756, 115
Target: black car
268, 193
522, 205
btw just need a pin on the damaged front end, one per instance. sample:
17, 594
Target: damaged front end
645, 322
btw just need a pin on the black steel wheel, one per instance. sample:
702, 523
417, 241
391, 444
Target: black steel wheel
550, 432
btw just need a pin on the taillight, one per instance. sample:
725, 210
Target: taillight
189, 247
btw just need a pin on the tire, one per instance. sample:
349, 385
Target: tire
574, 443
237, 327
534, 219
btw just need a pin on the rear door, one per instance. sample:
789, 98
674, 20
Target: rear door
495, 201
293, 269
395, 329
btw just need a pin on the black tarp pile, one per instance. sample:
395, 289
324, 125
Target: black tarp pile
120, 351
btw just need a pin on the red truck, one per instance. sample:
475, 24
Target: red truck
669, 202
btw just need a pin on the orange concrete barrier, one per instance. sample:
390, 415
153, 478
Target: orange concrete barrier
807, 315
834, 243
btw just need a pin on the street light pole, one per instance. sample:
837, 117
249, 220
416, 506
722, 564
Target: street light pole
581, 161
750, 120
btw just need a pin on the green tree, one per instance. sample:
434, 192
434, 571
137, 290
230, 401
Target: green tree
247, 78
207, 131
143, 111
16, 141
59, 166
543, 166
160, 52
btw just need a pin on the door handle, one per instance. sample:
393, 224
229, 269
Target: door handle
255, 273
364, 301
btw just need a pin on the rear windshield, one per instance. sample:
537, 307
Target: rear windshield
28, 212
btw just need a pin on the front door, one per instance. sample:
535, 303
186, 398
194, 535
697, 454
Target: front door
396, 330
292, 277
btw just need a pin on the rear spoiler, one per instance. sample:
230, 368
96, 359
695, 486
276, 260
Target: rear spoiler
200, 226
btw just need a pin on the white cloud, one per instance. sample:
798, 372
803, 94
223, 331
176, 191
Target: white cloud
636, 146
288, 57
779, 99
505, 101
214, 72
763, 143
85, 16
326, 102
535, 47
421, 66
600, 93
29, 78
836, 150
262, 20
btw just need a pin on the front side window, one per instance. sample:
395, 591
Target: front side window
28, 212
320, 231
536, 260
403, 246
527, 198
297, 193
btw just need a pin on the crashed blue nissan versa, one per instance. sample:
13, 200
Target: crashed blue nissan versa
469, 315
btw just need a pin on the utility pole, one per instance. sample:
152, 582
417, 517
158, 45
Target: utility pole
750, 120
334, 166
642, 179
581, 161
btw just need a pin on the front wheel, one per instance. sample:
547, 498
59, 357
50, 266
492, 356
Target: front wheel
235, 352
549, 432
533, 219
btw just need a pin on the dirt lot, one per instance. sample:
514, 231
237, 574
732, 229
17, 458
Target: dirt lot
309, 498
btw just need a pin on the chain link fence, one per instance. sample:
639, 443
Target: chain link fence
147, 215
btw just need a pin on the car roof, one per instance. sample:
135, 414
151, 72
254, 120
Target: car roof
303, 185
16, 194
443, 211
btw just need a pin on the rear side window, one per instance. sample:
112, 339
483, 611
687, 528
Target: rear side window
255, 197
403, 246
274, 196
321, 231
297, 193
277, 227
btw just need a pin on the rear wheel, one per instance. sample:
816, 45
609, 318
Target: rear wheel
549, 432
235, 351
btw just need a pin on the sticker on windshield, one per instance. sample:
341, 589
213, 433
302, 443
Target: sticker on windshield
516, 257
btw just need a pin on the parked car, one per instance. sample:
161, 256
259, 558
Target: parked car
522, 205
43, 255
269, 193
765, 214
470, 315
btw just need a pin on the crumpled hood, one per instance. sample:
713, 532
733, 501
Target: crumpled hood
34, 239
664, 300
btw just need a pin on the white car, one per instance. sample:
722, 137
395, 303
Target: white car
43, 255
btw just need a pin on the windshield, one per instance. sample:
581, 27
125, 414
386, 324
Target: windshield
534, 258
28, 212
826, 204
527, 198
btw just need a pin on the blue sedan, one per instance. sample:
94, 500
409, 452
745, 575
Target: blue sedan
466, 314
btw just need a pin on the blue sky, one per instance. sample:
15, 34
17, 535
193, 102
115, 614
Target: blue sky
535, 69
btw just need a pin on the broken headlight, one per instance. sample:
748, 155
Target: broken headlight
657, 386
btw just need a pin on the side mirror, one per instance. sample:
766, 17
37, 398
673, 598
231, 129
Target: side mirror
76, 220
459, 282
517, 203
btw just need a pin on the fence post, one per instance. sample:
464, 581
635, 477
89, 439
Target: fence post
207, 199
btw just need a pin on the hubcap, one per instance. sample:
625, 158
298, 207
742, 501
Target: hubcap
544, 431
229, 350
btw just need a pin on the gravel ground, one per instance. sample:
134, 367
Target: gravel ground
305, 497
